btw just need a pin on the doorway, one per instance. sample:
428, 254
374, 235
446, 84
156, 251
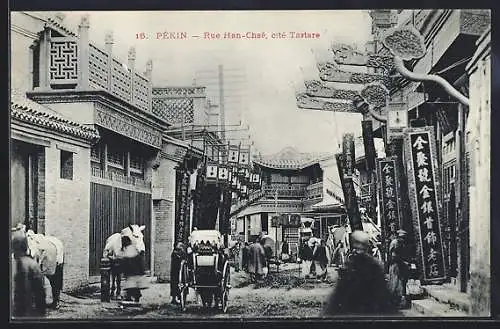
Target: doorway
24, 182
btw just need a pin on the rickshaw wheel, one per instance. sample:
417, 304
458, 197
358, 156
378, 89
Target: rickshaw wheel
225, 296
183, 284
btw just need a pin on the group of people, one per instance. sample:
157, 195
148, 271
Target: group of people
362, 288
314, 259
254, 260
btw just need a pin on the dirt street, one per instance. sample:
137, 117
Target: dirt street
283, 294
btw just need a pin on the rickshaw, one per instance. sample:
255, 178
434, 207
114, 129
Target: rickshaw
206, 270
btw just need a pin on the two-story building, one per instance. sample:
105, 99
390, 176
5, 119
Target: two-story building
295, 186
90, 153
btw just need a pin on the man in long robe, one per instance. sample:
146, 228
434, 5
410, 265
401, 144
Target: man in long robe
256, 261
28, 280
398, 269
361, 288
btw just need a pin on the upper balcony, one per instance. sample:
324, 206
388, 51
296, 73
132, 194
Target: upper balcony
65, 62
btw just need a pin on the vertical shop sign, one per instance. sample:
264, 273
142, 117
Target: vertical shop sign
389, 198
423, 190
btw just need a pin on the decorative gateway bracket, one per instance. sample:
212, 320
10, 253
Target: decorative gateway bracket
406, 43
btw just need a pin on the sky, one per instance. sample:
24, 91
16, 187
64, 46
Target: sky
275, 68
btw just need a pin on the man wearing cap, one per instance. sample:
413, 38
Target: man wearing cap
361, 288
398, 269
28, 280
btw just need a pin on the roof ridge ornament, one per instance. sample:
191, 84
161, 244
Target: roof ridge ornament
407, 43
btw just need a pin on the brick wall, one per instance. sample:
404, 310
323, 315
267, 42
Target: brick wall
163, 179
67, 211
163, 239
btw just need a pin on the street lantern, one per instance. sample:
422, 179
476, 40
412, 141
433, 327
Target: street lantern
212, 172
223, 173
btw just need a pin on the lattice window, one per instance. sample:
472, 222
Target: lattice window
120, 80
63, 61
66, 165
173, 109
116, 158
95, 153
136, 162
98, 68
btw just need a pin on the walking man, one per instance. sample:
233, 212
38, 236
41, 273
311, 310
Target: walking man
28, 280
320, 258
398, 269
256, 261
361, 288
178, 254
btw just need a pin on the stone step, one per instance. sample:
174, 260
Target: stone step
430, 307
448, 295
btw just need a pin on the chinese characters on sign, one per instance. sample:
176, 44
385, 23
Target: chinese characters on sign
182, 206
419, 145
389, 196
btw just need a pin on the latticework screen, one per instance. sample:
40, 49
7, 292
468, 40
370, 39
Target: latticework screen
63, 68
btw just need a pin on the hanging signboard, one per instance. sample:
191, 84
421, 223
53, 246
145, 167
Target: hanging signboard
389, 198
420, 152
350, 199
397, 119
349, 156
369, 144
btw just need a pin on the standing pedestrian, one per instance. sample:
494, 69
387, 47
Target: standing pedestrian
256, 261
28, 280
134, 270
285, 251
320, 258
244, 256
361, 288
178, 254
306, 255
398, 269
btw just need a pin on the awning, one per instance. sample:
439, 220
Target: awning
325, 204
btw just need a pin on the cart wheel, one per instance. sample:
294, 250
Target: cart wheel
225, 296
183, 299
183, 284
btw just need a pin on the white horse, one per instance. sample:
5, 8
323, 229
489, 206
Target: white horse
48, 252
113, 250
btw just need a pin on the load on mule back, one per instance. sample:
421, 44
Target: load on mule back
126, 250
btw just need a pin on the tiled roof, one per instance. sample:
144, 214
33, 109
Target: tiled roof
26, 110
60, 27
290, 158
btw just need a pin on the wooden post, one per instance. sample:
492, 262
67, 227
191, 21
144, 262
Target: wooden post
105, 278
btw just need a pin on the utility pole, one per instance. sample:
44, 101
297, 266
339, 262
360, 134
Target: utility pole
221, 103
277, 224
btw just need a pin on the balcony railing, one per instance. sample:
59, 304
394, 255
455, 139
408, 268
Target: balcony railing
284, 192
115, 177
72, 63
314, 191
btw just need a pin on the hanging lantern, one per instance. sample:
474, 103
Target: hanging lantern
233, 154
223, 173
212, 172
234, 182
244, 159
244, 191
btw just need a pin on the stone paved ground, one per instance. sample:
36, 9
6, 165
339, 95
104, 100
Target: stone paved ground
282, 295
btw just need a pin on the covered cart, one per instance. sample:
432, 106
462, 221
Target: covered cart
206, 270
